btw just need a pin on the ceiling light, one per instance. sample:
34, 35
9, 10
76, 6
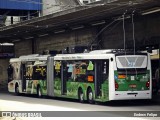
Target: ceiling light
16, 40
43, 35
150, 11
60, 31
7, 44
98, 23
77, 27
29, 38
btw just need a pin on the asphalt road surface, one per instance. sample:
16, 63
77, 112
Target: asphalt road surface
57, 106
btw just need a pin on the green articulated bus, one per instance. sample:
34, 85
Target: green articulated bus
100, 75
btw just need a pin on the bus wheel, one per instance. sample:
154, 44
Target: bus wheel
90, 96
80, 95
17, 90
39, 93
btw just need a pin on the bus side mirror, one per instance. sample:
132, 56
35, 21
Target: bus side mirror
149, 50
111, 59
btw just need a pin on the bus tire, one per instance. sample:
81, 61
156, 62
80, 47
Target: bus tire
17, 90
80, 95
90, 96
39, 92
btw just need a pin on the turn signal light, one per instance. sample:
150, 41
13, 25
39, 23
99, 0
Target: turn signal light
147, 84
116, 85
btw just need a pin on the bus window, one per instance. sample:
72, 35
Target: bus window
9, 71
70, 70
90, 71
16, 70
83, 71
29, 70
57, 69
39, 72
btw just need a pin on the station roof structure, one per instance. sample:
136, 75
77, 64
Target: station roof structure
75, 17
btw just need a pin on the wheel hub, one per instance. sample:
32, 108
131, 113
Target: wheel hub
81, 96
90, 96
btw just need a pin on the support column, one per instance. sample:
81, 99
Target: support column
11, 19
33, 45
28, 16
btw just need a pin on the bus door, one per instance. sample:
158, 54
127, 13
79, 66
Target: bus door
101, 74
98, 78
64, 78
23, 78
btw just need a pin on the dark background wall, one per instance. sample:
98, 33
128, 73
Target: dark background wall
3, 73
55, 42
147, 31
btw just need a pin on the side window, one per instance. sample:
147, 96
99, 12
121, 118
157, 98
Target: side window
71, 70
39, 72
80, 71
16, 70
84, 71
9, 72
75, 70
90, 71
57, 69
35, 73
43, 72
29, 70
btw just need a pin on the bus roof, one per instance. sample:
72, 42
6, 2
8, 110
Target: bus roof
34, 57
96, 54
81, 56
101, 51
14, 60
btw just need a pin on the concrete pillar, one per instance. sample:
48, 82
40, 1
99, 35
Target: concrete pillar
3, 74
33, 45
11, 19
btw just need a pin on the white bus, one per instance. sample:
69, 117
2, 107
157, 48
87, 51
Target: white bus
100, 75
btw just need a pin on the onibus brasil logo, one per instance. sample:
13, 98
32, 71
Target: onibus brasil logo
21, 114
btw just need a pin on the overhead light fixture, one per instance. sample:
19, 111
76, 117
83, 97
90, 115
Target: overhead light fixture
15, 40
7, 44
43, 35
98, 23
60, 31
77, 27
29, 38
121, 18
150, 11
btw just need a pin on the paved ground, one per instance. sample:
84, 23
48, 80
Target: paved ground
10, 102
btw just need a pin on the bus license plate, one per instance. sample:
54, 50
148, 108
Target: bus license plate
132, 86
